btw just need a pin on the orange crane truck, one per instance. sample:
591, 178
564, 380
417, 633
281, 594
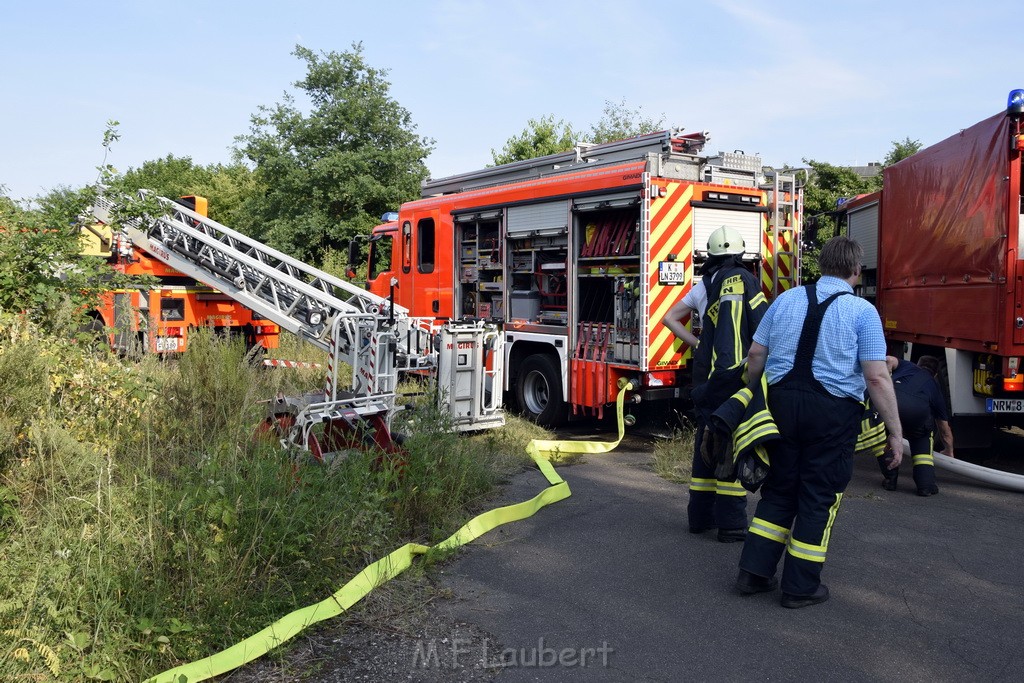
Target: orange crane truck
158, 319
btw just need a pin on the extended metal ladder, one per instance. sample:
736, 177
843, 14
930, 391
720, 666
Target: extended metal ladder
300, 298
376, 339
785, 215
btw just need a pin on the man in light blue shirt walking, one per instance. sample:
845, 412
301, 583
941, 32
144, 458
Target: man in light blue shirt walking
820, 347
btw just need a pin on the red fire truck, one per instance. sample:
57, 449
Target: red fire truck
158, 319
579, 255
943, 261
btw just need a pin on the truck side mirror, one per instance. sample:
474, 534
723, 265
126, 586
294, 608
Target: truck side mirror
353, 256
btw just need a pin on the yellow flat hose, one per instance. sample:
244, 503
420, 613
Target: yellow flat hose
387, 568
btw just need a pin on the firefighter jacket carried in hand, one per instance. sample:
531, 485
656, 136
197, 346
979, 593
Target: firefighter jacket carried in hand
872, 437
745, 422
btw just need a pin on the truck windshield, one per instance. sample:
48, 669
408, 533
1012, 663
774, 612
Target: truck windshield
380, 256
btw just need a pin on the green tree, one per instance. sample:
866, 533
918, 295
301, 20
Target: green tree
826, 185
541, 137
548, 135
620, 122
169, 177
901, 149
330, 173
228, 188
42, 271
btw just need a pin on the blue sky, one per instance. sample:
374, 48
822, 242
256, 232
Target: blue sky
831, 81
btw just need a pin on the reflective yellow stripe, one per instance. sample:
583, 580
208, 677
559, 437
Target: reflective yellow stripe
752, 429
757, 300
869, 434
806, 551
773, 532
743, 396
832, 511
926, 458
753, 435
697, 484
810, 551
730, 488
737, 321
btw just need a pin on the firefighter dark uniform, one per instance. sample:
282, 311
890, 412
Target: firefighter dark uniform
812, 464
872, 438
920, 403
735, 307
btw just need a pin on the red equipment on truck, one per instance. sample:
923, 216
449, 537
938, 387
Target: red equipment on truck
579, 255
945, 260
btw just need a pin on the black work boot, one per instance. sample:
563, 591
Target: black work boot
732, 535
798, 601
749, 584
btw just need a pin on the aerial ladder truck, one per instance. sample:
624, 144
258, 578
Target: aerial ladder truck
159, 317
369, 340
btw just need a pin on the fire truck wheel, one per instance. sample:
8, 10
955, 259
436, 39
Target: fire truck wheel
539, 390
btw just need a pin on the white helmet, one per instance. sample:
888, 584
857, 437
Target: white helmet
725, 241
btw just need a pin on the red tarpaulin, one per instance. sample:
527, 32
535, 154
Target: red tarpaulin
943, 245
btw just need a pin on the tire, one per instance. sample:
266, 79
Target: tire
539, 390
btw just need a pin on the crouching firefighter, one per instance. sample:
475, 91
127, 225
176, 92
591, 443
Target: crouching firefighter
922, 411
730, 303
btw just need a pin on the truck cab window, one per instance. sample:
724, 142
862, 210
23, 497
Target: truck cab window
425, 245
172, 310
380, 256
406, 247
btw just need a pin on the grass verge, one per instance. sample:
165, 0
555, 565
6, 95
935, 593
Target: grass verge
142, 525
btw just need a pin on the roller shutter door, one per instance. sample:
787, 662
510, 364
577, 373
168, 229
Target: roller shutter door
549, 218
864, 228
706, 221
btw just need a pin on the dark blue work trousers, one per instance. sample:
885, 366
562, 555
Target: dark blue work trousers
810, 469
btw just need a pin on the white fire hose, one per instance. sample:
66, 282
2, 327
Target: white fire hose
1006, 480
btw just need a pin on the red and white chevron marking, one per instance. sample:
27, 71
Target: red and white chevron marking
279, 363
330, 366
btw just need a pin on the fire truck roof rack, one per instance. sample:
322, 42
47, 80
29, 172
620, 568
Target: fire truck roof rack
672, 141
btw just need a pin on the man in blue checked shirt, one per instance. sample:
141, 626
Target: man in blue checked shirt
819, 347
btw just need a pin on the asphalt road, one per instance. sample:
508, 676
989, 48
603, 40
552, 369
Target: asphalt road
923, 589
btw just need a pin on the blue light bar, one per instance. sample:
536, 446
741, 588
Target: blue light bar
1015, 102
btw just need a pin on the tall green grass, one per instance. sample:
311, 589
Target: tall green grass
142, 525
673, 458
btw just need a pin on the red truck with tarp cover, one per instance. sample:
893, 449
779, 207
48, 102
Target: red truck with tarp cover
944, 237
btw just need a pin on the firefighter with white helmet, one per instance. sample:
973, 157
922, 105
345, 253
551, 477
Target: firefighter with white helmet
730, 304
725, 241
